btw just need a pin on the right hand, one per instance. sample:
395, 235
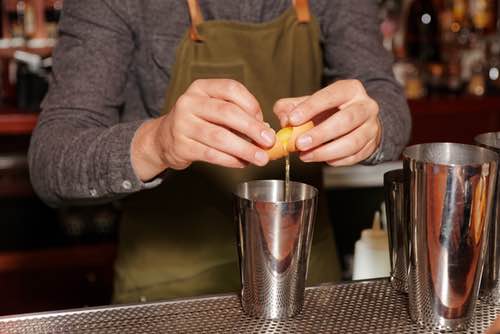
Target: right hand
208, 123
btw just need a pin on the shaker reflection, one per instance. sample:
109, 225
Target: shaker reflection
455, 230
490, 282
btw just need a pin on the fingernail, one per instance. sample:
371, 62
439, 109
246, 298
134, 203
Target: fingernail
304, 142
296, 117
267, 124
261, 157
268, 136
307, 157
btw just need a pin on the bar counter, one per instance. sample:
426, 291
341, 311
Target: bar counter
361, 307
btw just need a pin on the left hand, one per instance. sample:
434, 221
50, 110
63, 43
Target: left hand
348, 129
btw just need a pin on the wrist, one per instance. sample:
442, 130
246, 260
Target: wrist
145, 151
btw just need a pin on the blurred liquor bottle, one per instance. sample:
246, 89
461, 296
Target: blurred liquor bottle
493, 67
482, 13
420, 67
2, 42
390, 14
2, 20
422, 36
15, 13
29, 19
35, 25
52, 15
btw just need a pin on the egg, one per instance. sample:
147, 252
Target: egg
285, 140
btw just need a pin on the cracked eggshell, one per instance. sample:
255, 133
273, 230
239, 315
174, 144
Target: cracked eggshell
279, 151
296, 133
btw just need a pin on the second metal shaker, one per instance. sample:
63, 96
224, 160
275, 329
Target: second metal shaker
490, 282
450, 194
397, 227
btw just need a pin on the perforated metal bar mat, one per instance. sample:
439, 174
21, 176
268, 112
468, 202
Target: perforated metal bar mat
369, 307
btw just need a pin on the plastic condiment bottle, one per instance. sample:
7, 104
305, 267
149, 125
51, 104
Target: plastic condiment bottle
371, 253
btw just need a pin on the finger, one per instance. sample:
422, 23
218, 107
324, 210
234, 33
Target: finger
226, 141
334, 96
234, 118
344, 146
339, 124
229, 90
283, 107
201, 152
365, 152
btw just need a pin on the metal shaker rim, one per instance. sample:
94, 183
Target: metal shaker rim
490, 140
450, 154
258, 190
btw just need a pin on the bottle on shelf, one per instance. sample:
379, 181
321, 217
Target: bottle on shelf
390, 21
35, 25
477, 82
52, 16
482, 15
436, 82
14, 25
422, 35
2, 19
459, 10
472, 62
29, 19
454, 83
3, 26
493, 68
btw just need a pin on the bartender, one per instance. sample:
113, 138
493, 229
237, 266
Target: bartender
168, 104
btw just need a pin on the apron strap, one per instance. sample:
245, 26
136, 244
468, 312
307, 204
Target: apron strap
302, 10
196, 19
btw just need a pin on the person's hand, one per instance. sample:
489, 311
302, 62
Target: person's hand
208, 123
495, 327
347, 129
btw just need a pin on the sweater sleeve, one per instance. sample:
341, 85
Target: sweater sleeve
79, 150
353, 50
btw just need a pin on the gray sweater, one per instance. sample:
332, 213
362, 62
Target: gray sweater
112, 66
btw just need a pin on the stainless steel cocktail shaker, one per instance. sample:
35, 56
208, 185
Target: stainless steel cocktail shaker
450, 189
274, 242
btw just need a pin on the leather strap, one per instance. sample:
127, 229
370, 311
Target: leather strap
196, 19
302, 10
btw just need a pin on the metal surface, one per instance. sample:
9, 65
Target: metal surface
370, 307
490, 283
397, 227
450, 194
274, 243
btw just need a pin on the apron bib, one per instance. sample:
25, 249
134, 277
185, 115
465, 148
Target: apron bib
179, 239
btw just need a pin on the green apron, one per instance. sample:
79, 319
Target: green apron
179, 239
